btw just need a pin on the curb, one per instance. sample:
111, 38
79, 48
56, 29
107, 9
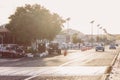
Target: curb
106, 73
115, 58
108, 70
104, 76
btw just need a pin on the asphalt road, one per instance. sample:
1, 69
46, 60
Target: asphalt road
51, 60
76, 58
36, 66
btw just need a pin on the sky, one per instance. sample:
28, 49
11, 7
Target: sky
81, 13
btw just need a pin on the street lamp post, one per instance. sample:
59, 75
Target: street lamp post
68, 19
67, 36
101, 33
98, 31
92, 32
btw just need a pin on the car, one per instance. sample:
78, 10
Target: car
11, 51
100, 48
54, 48
83, 48
112, 46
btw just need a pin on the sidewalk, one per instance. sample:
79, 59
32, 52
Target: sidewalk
71, 73
52, 73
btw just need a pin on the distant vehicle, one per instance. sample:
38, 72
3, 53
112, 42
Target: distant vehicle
54, 48
112, 46
83, 48
100, 47
89, 47
11, 51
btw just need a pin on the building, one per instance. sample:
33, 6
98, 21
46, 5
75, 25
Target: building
66, 36
5, 35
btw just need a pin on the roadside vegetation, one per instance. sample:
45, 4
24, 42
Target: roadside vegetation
34, 22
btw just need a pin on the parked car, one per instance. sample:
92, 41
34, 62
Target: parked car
11, 51
100, 48
83, 48
112, 46
54, 48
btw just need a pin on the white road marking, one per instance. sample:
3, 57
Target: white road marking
31, 71
36, 71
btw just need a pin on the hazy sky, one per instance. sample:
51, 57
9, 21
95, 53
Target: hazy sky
104, 12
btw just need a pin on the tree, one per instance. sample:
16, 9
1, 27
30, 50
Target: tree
76, 39
34, 22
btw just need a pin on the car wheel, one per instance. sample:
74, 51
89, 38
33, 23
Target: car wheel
49, 51
103, 50
0, 54
12, 55
59, 51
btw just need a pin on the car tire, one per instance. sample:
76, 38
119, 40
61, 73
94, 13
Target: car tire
0, 54
59, 51
49, 51
12, 56
103, 50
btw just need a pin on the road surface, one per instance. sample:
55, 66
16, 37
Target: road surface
87, 65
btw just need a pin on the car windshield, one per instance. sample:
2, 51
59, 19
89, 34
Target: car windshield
100, 45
